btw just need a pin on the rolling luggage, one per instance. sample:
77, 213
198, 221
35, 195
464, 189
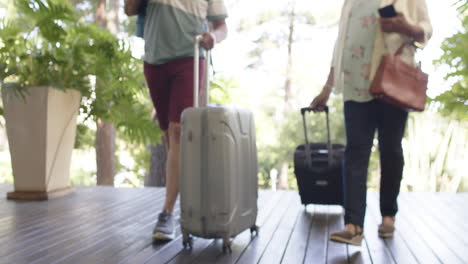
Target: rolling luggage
318, 169
218, 169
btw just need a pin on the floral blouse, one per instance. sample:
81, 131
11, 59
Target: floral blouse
359, 46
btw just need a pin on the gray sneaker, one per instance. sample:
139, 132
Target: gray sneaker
164, 229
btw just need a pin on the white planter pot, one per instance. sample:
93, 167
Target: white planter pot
41, 135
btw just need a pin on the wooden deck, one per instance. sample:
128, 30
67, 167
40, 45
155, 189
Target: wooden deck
109, 225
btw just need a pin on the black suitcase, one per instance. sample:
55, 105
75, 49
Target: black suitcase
318, 168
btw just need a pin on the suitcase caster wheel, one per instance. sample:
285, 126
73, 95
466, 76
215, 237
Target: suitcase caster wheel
187, 241
254, 229
227, 246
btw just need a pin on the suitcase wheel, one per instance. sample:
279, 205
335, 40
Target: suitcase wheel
187, 241
254, 229
227, 245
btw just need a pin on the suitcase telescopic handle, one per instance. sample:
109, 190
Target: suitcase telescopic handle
307, 146
196, 72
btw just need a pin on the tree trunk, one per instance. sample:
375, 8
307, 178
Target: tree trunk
287, 83
105, 134
283, 176
105, 153
157, 171
114, 18
101, 15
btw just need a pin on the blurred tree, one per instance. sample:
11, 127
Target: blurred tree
454, 101
436, 151
273, 30
105, 132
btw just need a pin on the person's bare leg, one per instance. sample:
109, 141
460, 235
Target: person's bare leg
166, 140
165, 226
388, 220
172, 166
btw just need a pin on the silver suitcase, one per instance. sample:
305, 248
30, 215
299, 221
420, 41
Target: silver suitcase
218, 169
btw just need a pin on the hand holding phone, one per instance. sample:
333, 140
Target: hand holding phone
387, 11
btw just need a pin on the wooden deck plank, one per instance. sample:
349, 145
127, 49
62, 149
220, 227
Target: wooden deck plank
281, 238
20, 213
50, 216
317, 238
213, 254
126, 234
454, 207
161, 252
377, 248
254, 252
434, 204
75, 244
171, 253
112, 225
297, 246
53, 220
395, 248
92, 227
336, 252
431, 235
453, 236
47, 228
416, 244
142, 240
107, 232
187, 255
361, 255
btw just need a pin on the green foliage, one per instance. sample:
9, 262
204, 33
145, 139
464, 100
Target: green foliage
81, 177
135, 170
221, 90
48, 45
280, 139
85, 137
454, 102
436, 151
6, 174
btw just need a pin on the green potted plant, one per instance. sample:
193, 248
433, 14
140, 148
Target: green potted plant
53, 67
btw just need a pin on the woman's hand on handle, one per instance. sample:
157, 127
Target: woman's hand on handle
322, 98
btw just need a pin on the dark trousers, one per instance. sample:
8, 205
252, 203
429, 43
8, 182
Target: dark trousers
361, 122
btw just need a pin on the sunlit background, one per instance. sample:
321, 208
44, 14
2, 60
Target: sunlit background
251, 66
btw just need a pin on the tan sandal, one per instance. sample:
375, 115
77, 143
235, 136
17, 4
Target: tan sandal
387, 228
348, 237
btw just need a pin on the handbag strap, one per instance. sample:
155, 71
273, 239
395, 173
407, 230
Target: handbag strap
400, 49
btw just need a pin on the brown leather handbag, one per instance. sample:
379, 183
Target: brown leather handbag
400, 84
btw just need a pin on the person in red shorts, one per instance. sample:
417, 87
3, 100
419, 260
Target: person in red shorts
169, 31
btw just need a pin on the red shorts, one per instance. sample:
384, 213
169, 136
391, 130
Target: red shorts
171, 88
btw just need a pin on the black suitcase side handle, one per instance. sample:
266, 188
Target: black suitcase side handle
307, 147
